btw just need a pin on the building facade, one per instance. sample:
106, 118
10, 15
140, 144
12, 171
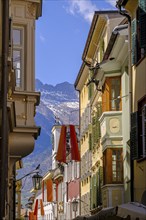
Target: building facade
92, 107
18, 129
61, 184
136, 12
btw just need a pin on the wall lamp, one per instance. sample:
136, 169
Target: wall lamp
93, 77
36, 178
75, 205
26, 217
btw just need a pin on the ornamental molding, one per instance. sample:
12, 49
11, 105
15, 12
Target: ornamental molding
31, 9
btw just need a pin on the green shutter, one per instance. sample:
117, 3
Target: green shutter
97, 189
134, 136
134, 39
93, 130
97, 132
98, 114
100, 182
90, 86
145, 129
142, 23
90, 141
92, 192
89, 91
142, 5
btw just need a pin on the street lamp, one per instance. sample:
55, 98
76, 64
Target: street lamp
26, 216
35, 178
75, 206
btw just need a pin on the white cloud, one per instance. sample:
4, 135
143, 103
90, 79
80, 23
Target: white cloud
111, 2
84, 8
42, 38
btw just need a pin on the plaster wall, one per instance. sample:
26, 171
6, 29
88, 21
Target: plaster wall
126, 133
139, 90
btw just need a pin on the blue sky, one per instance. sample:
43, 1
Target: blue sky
61, 34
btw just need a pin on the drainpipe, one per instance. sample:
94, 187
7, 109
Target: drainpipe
130, 93
4, 132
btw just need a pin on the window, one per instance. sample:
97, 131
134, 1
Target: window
115, 93
18, 49
138, 131
116, 166
113, 165
95, 189
111, 94
138, 29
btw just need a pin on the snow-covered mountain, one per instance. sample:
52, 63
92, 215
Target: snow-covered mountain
60, 103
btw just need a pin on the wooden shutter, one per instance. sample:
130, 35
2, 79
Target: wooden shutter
90, 141
142, 23
98, 114
93, 129
134, 44
100, 182
134, 136
99, 179
94, 190
90, 86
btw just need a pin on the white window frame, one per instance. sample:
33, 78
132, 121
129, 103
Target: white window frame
21, 48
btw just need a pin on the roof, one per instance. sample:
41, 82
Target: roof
111, 14
92, 27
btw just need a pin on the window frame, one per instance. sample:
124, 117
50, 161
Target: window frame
107, 166
138, 34
19, 47
107, 97
142, 127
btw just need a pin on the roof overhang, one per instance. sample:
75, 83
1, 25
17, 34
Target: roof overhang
114, 56
81, 77
116, 50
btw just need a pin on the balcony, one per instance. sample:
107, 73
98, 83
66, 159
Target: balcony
23, 131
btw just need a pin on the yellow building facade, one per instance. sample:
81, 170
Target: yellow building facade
90, 91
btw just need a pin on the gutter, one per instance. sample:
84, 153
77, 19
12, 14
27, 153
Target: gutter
120, 4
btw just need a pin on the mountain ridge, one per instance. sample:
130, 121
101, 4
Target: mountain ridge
60, 101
